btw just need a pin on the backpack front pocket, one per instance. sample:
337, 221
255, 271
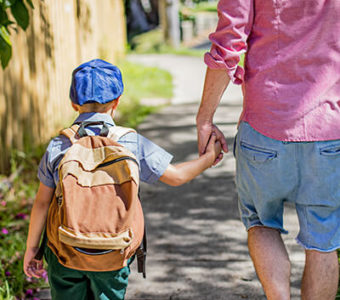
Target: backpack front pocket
95, 240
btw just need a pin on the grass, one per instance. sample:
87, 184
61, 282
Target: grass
205, 7
16, 198
145, 82
141, 82
152, 42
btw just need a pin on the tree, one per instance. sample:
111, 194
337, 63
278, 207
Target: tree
19, 11
169, 16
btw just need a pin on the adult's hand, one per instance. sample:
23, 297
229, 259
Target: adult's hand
215, 83
204, 131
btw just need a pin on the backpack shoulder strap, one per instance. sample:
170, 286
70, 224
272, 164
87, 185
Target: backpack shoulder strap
71, 133
116, 132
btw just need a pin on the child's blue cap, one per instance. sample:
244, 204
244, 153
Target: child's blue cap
96, 81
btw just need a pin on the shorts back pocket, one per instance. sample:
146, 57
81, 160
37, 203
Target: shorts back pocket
256, 153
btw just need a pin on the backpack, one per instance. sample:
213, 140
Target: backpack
95, 221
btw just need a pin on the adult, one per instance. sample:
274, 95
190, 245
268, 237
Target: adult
288, 142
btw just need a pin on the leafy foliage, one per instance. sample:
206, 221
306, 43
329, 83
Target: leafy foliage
18, 10
16, 197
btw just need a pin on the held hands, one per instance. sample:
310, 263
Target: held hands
213, 149
206, 132
32, 266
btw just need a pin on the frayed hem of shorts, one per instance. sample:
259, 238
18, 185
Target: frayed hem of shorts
282, 231
316, 248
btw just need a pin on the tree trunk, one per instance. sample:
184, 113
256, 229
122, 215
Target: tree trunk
169, 20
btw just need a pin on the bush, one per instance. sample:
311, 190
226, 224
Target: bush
16, 197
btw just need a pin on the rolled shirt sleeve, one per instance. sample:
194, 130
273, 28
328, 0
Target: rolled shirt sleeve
229, 41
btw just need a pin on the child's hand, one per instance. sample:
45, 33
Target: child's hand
213, 150
32, 266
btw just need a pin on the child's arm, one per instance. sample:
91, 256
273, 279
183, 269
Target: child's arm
32, 266
179, 174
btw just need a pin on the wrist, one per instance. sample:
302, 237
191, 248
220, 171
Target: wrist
204, 123
208, 159
203, 117
31, 245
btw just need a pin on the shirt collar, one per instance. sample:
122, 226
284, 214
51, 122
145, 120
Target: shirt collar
95, 117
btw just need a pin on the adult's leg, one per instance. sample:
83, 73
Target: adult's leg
321, 276
271, 261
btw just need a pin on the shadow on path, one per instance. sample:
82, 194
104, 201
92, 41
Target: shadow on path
197, 245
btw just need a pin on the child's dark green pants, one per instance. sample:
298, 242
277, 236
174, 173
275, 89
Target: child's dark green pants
72, 284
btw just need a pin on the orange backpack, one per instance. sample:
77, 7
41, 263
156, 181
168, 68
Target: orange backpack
95, 221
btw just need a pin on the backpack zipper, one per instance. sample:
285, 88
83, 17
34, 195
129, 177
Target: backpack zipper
118, 160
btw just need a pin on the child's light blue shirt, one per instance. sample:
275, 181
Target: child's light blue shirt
153, 160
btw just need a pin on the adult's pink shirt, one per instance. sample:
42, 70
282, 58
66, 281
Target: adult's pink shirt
291, 80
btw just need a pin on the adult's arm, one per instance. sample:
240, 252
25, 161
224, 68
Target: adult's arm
229, 42
216, 81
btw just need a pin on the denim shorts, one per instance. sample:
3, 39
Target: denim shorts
270, 172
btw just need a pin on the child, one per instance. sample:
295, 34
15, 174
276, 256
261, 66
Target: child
95, 91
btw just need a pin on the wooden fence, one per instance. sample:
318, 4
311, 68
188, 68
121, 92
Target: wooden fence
34, 88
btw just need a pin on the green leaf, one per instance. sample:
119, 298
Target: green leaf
5, 47
6, 23
20, 13
4, 34
3, 17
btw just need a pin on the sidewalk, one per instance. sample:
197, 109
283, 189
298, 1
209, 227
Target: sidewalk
188, 76
197, 244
